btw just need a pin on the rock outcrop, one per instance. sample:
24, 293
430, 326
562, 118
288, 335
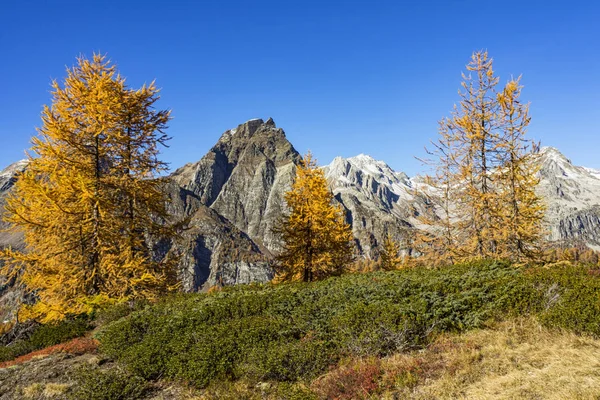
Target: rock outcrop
244, 176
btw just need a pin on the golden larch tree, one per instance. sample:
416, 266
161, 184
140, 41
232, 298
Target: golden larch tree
474, 129
522, 210
317, 241
88, 197
389, 256
437, 242
483, 190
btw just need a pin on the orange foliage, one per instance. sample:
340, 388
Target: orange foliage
354, 381
76, 346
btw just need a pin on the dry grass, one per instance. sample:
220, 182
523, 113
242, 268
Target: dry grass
55, 390
46, 391
514, 360
32, 391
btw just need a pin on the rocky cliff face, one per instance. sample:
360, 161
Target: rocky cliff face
212, 249
244, 176
378, 200
572, 196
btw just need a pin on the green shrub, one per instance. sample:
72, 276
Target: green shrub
113, 384
296, 331
293, 360
46, 335
571, 298
115, 312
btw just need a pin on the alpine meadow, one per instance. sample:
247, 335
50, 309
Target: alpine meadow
255, 272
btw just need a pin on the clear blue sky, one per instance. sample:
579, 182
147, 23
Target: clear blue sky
341, 77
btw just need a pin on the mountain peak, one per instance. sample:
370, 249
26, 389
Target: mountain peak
553, 154
367, 164
8, 174
249, 128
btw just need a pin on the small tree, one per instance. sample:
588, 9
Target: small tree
390, 254
88, 197
474, 130
316, 238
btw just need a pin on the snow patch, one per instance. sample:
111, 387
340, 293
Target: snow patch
14, 168
594, 172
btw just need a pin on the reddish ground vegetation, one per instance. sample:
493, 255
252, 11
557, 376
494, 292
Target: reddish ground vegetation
354, 381
76, 346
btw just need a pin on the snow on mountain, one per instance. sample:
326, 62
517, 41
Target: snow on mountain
572, 196
8, 174
379, 199
594, 172
370, 176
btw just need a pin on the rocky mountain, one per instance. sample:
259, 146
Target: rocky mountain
244, 176
572, 197
232, 197
380, 199
10, 296
7, 180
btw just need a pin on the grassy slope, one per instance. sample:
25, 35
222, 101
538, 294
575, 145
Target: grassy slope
515, 359
484, 330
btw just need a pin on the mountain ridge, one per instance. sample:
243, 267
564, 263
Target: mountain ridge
233, 197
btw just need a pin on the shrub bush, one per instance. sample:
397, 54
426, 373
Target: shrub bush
296, 331
358, 380
112, 384
107, 314
571, 298
46, 335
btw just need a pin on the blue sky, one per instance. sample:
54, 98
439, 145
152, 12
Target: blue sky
341, 77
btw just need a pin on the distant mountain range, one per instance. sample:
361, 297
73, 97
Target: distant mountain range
233, 197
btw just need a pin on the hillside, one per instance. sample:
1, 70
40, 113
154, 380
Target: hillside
483, 330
